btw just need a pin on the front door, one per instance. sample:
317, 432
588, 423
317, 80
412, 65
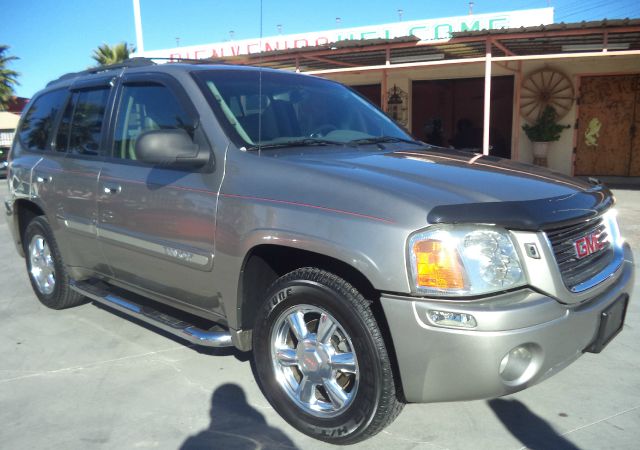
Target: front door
156, 225
609, 113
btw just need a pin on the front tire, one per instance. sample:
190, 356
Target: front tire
46, 270
321, 360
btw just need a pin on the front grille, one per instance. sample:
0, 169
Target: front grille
576, 270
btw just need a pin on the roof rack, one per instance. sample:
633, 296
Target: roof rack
131, 62
188, 60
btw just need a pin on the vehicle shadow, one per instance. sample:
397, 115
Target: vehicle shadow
533, 432
235, 425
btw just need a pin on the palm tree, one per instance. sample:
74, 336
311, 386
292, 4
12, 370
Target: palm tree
8, 78
107, 54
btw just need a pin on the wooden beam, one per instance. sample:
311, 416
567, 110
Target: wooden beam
502, 47
398, 66
495, 59
569, 55
384, 87
515, 127
328, 60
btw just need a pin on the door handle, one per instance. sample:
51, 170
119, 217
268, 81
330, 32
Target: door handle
111, 189
42, 180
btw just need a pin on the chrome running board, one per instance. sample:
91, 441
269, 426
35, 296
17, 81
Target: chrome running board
215, 337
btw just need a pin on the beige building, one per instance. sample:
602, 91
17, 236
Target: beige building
8, 125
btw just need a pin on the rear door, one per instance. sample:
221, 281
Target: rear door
156, 225
35, 167
81, 141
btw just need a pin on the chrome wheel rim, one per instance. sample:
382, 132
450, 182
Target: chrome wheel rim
314, 360
42, 268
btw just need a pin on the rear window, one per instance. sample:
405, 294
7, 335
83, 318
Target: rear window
80, 130
37, 125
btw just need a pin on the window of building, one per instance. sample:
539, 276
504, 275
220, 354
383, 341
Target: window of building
146, 107
37, 126
81, 125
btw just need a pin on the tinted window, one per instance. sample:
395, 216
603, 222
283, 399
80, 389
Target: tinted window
81, 125
37, 125
276, 107
144, 108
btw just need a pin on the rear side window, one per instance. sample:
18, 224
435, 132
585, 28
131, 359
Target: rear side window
37, 126
80, 129
146, 107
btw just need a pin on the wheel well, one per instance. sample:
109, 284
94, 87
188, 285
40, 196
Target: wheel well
26, 211
266, 263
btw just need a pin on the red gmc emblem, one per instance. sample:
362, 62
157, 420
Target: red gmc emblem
588, 244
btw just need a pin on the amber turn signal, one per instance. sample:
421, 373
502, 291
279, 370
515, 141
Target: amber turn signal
438, 265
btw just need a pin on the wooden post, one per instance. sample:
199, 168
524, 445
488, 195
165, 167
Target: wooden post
383, 97
515, 139
487, 98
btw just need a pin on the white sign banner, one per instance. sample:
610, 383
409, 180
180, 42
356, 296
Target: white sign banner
428, 30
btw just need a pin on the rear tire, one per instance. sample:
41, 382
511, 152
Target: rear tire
321, 360
45, 267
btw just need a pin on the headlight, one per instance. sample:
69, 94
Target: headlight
464, 260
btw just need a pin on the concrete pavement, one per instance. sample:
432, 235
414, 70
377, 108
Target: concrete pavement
86, 378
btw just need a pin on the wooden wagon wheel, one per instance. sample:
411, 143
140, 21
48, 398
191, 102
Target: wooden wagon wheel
546, 87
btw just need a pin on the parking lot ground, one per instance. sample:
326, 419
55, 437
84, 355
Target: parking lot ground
87, 378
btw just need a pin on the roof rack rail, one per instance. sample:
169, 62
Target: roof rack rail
131, 62
188, 60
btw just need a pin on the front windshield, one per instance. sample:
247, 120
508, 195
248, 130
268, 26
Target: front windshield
286, 107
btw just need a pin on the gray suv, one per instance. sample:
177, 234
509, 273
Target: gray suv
284, 214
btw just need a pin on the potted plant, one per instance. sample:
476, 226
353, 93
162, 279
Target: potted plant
546, 129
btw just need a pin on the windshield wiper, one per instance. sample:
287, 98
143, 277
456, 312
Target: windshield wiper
382, 140
307, 142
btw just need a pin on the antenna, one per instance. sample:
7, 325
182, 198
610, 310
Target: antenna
471, 8
279, 27
400, 13
260, 87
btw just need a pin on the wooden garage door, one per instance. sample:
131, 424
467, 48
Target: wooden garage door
609, 114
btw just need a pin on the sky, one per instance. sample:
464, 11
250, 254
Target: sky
53, 37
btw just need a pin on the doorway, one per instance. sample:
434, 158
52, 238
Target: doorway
371, 92
607, 141
449, 113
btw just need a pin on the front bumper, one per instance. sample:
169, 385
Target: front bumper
448, 364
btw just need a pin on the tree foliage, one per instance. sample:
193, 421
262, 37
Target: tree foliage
8, 77
107, 54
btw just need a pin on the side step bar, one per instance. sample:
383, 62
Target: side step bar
215, 337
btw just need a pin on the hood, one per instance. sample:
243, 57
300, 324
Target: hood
454, 186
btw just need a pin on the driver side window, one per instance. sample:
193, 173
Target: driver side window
147, 107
